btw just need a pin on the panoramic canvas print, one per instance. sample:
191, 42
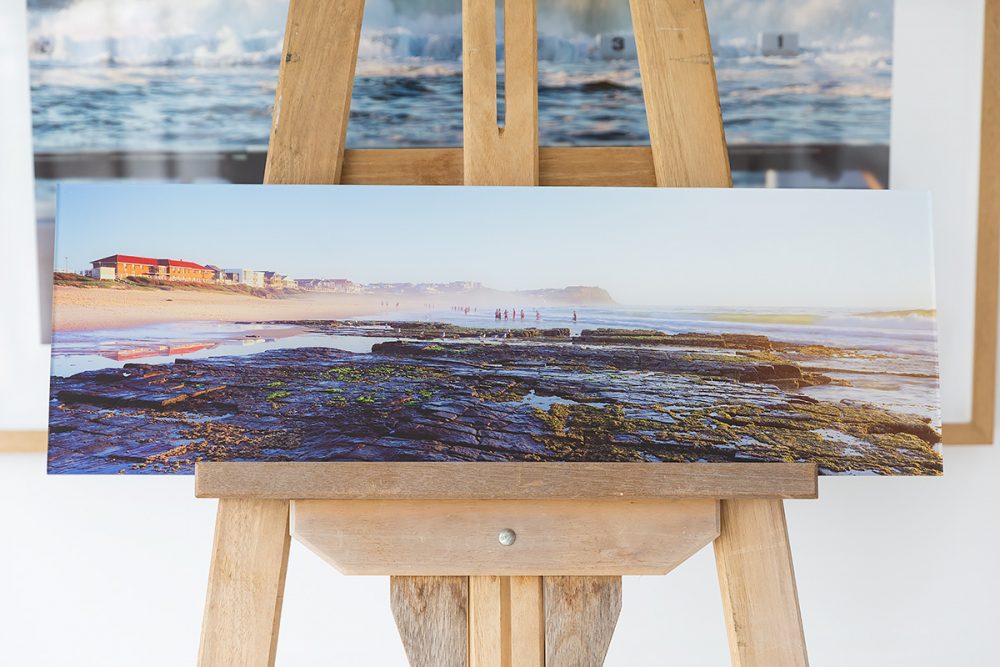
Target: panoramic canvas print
328, 323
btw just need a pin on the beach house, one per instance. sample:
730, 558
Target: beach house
218, 275
247, 277
120, 267
274, 279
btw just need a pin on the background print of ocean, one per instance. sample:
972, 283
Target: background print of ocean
115, 75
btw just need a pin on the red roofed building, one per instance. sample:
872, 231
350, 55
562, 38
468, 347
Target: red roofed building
119, 267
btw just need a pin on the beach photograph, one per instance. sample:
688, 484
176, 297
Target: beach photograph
330, 323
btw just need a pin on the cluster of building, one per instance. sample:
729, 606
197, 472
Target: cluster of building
120, 267
425, 288
329, 285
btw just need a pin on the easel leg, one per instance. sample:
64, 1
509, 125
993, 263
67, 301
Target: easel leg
580, 617
246, 583
431, 614
759, 598
506, 622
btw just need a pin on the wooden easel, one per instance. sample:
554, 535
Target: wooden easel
458, 595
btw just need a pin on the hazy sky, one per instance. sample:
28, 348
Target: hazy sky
648, 246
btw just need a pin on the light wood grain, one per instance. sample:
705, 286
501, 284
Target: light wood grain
682, 99
488, 647
581, 614
313, 99
431, 614
18, 442
984, 350
610, 166
456, 537
527, 621
246, 583
497, 481
506, 622
495, 155
759, 597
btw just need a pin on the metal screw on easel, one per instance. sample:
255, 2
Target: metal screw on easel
507, 537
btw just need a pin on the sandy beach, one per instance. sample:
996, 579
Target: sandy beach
82, 309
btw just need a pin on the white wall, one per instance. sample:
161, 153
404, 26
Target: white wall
111, 570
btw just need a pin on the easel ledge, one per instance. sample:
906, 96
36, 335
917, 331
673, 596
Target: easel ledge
504, 481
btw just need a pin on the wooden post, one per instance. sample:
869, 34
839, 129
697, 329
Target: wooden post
246, 582
312, 103
581, 614
431, 614
759, 599
506, 622
682, 97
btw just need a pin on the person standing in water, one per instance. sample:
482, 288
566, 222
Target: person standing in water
574, 316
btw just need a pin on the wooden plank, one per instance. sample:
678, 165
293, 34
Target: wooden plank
487, 643
584, 166
495, 155
984, 344
246, 583
611, 166
581, 614
527, 621
402, 166
497, 481
759, 598
313, 99
431, 615
968, 433
679, 87
459, 537
21, 442
506, 622
247, 165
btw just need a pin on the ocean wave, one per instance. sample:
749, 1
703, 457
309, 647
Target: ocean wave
606, 79
874, 91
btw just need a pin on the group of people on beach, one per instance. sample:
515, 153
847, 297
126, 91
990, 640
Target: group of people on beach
514, 313
504, 314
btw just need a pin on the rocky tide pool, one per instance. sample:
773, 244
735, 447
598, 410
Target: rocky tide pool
430, 391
